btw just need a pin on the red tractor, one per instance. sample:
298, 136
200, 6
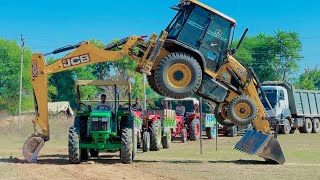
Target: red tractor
190, 119
158, 125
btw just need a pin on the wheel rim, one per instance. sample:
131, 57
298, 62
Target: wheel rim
179, 75
224, 111
243, 110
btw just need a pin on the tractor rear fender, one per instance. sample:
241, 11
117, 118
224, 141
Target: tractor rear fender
177, 46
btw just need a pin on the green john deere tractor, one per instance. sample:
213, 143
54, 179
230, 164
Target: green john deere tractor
107, 127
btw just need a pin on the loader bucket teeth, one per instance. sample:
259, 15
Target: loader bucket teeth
263, 145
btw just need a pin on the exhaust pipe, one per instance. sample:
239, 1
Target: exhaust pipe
261, 144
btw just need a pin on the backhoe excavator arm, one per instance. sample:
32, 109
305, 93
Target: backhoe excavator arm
84, 54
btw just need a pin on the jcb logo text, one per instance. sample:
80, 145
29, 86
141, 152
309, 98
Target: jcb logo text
76, 60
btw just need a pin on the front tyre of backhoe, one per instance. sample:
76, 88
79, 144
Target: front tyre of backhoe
178, 75
242, 110
127, 150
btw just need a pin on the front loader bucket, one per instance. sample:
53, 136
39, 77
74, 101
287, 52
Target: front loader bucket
263, 145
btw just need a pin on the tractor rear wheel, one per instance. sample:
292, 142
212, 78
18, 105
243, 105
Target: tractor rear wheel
155, 135
242, 110
286, 127
94, 152
307, 127
221, 114
146, 141
209, 132
195, 129
153, 84
178, 75
73, 146
184, 135
316, 126
126, 154
166, 140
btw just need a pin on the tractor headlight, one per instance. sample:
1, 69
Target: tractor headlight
151, 116
105, 119
95, 119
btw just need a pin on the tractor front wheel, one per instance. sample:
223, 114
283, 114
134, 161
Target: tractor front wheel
166, 140
184, 135
145, 141
73, 146
155, 135
210, 133
126, 154
195, 130
178, 75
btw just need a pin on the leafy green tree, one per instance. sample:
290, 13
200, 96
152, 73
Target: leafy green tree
309, 80
10, 56
272, 57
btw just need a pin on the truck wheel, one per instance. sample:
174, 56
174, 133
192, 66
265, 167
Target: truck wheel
126, 154
315, 125
155, 135
293, 129
73, 146
195, 129
233, 131
286, 127
146, 141
209, 132
94, 152
184, 135
307, 127
242, 110
221, 115
153, 84
166, 141
178, 75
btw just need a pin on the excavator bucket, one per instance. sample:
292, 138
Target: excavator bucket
32, 147
261, 144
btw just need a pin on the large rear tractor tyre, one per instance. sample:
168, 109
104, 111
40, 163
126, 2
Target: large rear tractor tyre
166, 141
155, 135
221, 115
242, 110
286, 127
73, 146
184, 136
94, 152
315, 126
195, 129
146, 141
307, 127
153, 84
127, 145
209, 132
178, 75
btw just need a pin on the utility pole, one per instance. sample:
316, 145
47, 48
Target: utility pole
144, 92
21, 69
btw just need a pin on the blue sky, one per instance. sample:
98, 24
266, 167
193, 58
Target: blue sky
47, 25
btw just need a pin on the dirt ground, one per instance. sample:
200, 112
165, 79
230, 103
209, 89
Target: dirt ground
181, 161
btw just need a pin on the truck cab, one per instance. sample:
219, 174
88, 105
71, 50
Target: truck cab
278, 99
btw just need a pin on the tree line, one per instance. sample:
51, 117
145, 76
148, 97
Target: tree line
273, 57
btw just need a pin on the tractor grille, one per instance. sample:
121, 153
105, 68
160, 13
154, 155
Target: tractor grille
100, 124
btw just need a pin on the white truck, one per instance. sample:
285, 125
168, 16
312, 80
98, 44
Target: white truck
293, 108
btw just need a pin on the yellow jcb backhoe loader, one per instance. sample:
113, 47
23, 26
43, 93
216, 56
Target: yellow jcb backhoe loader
191, 56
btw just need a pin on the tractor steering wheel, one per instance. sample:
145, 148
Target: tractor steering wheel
105, 107
82, 104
